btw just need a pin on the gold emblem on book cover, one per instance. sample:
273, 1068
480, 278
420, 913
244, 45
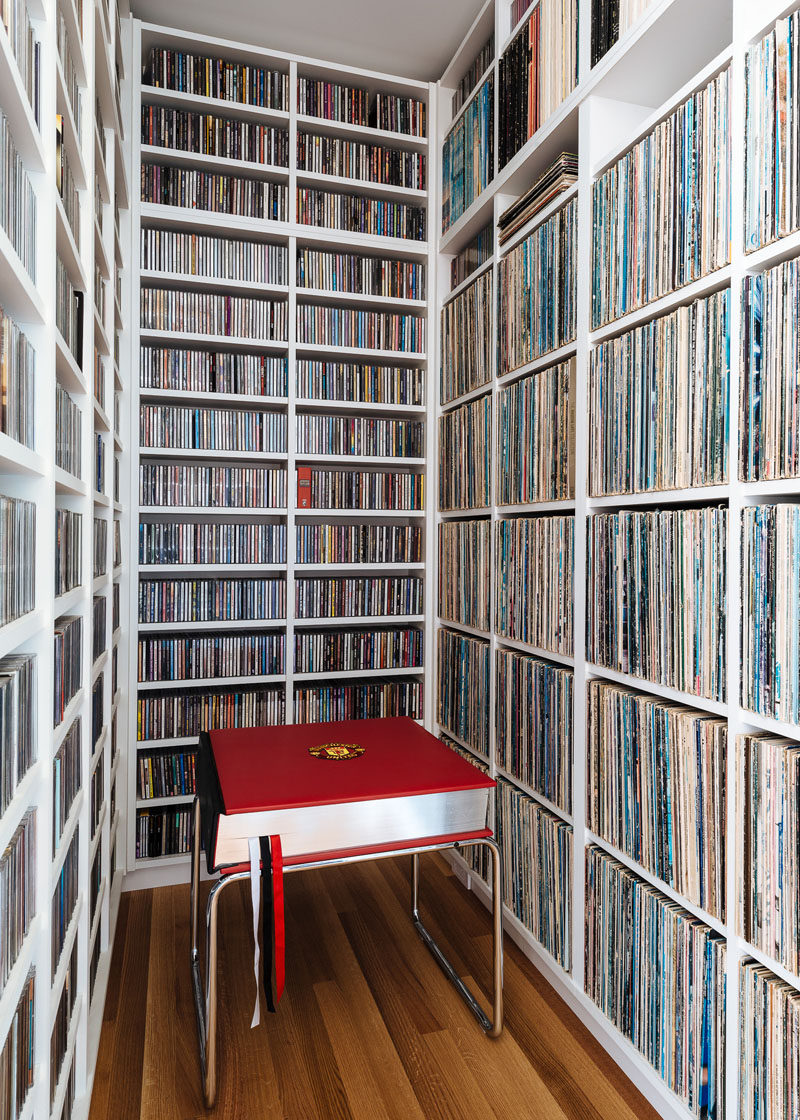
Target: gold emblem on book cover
337, 752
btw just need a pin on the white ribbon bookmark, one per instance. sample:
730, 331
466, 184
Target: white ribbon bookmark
255, 892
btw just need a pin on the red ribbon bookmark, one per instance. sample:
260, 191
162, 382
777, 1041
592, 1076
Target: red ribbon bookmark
274, 928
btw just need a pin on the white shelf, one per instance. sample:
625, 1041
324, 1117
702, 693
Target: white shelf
201, 454
17, 108
306, 295
215, 511
216, 106
17, 459
363, 186
155, 278
360, 132
232, 400
356, 674
213, 341
151, 153
20, 297
236, 624
362, 513
356, 620
158, 686
308, 404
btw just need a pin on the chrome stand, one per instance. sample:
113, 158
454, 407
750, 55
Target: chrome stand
205, 995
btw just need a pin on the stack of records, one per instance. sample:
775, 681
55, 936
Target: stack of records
559, 177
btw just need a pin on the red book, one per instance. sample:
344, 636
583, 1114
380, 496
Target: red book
334, 787
304, 487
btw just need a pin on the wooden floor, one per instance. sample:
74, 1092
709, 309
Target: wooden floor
368, 1028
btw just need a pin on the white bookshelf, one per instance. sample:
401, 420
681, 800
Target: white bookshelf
295, 237
649, 72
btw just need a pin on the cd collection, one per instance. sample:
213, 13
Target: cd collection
163, 309
210, 135
99, 640
655, 601
218, 258
186, 72
534, 725
658, 402
659, 975
163, 832
464, 567
350, 159
188, 657
212, 429
475, 856
466, 340
17, 1061
17, 737
18, 892
25, 47
322, 703
211, 542
477, 68
357, 596
538, 71
344, 381
197, 371
370, 330
462, 700
685, 158
476, 253
768, 415
537, 296
770, 605
209, 190
100, 535
68, 550
67, 451
346, 651
17, 200
65, 897
358, 544
97, 710
355, 213
769, 1022
560, 176
17, 572
351, 105
69, 312
767, 804
17, 364
96, 796
178, 715
536, 437
468, 155
65, 184
178, 484
656, 777
322, 434
537, 869
368, 490
211, 600
66, 779
352, 272
166, 774
610, 21
533, 578
465, 460
59, 1037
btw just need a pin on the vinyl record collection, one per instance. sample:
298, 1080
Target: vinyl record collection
99, 640
369, 330
656, 789
17, 737
462, 707
351, 105
379, 217
345, 381
466, 340
477, 68
465, 460
476, 253
187, 72
368, 490
163, 309
464, 567
177, 715
212, 429
68, 646
358, 544
533, 580
767, 805
356, 597
199, 371
468, 155
659, 974
211, 600
559, 177
658, 401
769, 1022
537, 292
25, 47
163, 832
534, 725
655, 601
770, 606
97, 710
17, 1062
538, 71
65, 898
178, 484
347, 651
476, 857
211, 542
69, 313
186, 657
59, 1037
351, 159
66, 779
17, 573
17, 200
65, 184
537, 869
67, 550
73, 87
321, 434
769, 417
18, 892
352, 272
100, 536
611, 19
685, 158
165, 774
17, 365
210, 135
223, 258
67, 451
322, 703
536, 437
209, 190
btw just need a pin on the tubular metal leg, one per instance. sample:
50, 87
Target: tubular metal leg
493, 1027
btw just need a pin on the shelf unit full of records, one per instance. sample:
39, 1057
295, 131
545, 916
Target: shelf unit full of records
60, 866
618, 509
282, 311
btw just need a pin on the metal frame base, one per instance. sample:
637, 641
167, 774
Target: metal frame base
205, 995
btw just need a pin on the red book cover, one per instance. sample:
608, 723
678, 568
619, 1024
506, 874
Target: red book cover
304, 487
